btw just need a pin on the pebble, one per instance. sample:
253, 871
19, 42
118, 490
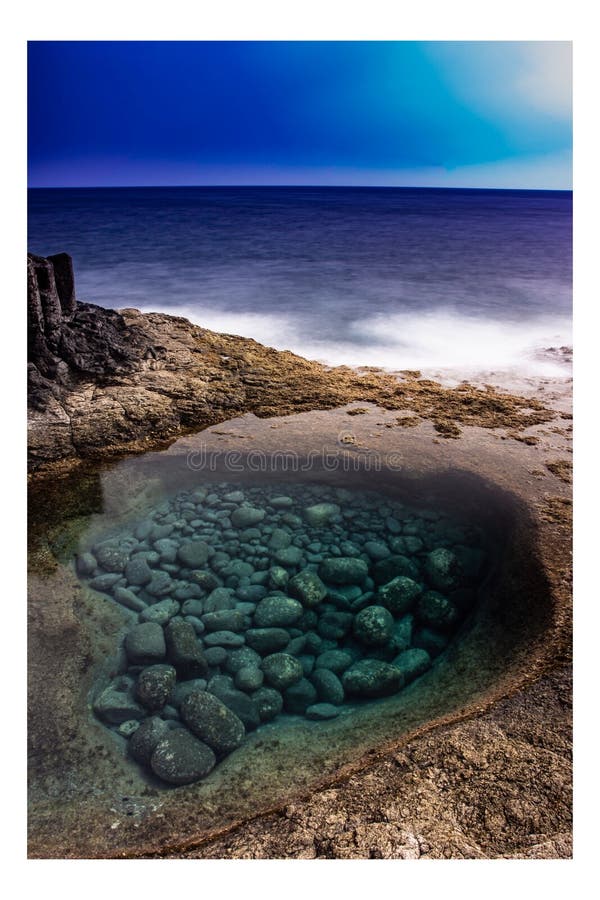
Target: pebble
436, 610
343, 570
241, 657
372, 678
111, 556
249, 678
399, 594
105, 582
183, 649
212, 721
274, 612
282, 670
269, 703
289, 556
244, 516
299, 696
320, 712
267, 640
117, 706
335, 660
127, 598
228, 639
154, 685
145, 739
442, 569
145, 643
86, 564
308, 588
180, 758
181, 690
160, 612
160, 585
319, 515
328, 686
225, 620
412, 663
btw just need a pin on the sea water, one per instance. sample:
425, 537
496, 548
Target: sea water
459, 280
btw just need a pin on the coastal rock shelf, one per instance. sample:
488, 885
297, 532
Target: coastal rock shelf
255, 604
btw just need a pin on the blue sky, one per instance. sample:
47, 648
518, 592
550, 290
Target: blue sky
455, 114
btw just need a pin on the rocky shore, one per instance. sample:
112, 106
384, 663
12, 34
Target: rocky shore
482, 773
105, 383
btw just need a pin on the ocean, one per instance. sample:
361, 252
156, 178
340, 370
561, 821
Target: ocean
439, 280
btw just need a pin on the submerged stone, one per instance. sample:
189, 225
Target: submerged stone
193, 554
282, 670
436, 610
372, 678
269, 703
399, 594
145, 643
320, 712
212, 721
319, 515
143, 742
299, 696
442, 569
343, 570
267, 640
180, 758
117, 706
277, 612
183, 650
245, 516
307, 587
373, 626
412, 663
154, 685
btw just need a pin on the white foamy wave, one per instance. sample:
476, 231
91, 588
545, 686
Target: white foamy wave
439, 340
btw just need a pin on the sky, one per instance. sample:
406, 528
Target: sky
399, 113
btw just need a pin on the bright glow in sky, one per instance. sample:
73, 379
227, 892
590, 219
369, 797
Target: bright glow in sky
450, 114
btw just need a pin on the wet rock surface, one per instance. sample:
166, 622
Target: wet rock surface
241, 650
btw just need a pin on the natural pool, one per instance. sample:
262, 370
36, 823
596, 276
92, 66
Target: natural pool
93, 794
254, 603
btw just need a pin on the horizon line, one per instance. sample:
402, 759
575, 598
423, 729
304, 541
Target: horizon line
392, 187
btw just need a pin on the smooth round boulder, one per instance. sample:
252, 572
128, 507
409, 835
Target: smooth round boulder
399, 594
320, 712
328, 686
138, 572
160, 585
183, 688
145, 738
436, 610
442, 569
335, 660
267, 640
111, 556
343, 570
387, 569
145, 643
308, 588
224, 620
280, 539
183, 650
372, 678
333, 626
299, 696
319, 515
193, 554
269, 703
377, 550
282, 670
245, 516
128, 599
373, 626
180, 758
412, 663
212, 721
277, 612
117, 706
160, 612
240, 658
249, 678
154, 685
289, 556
